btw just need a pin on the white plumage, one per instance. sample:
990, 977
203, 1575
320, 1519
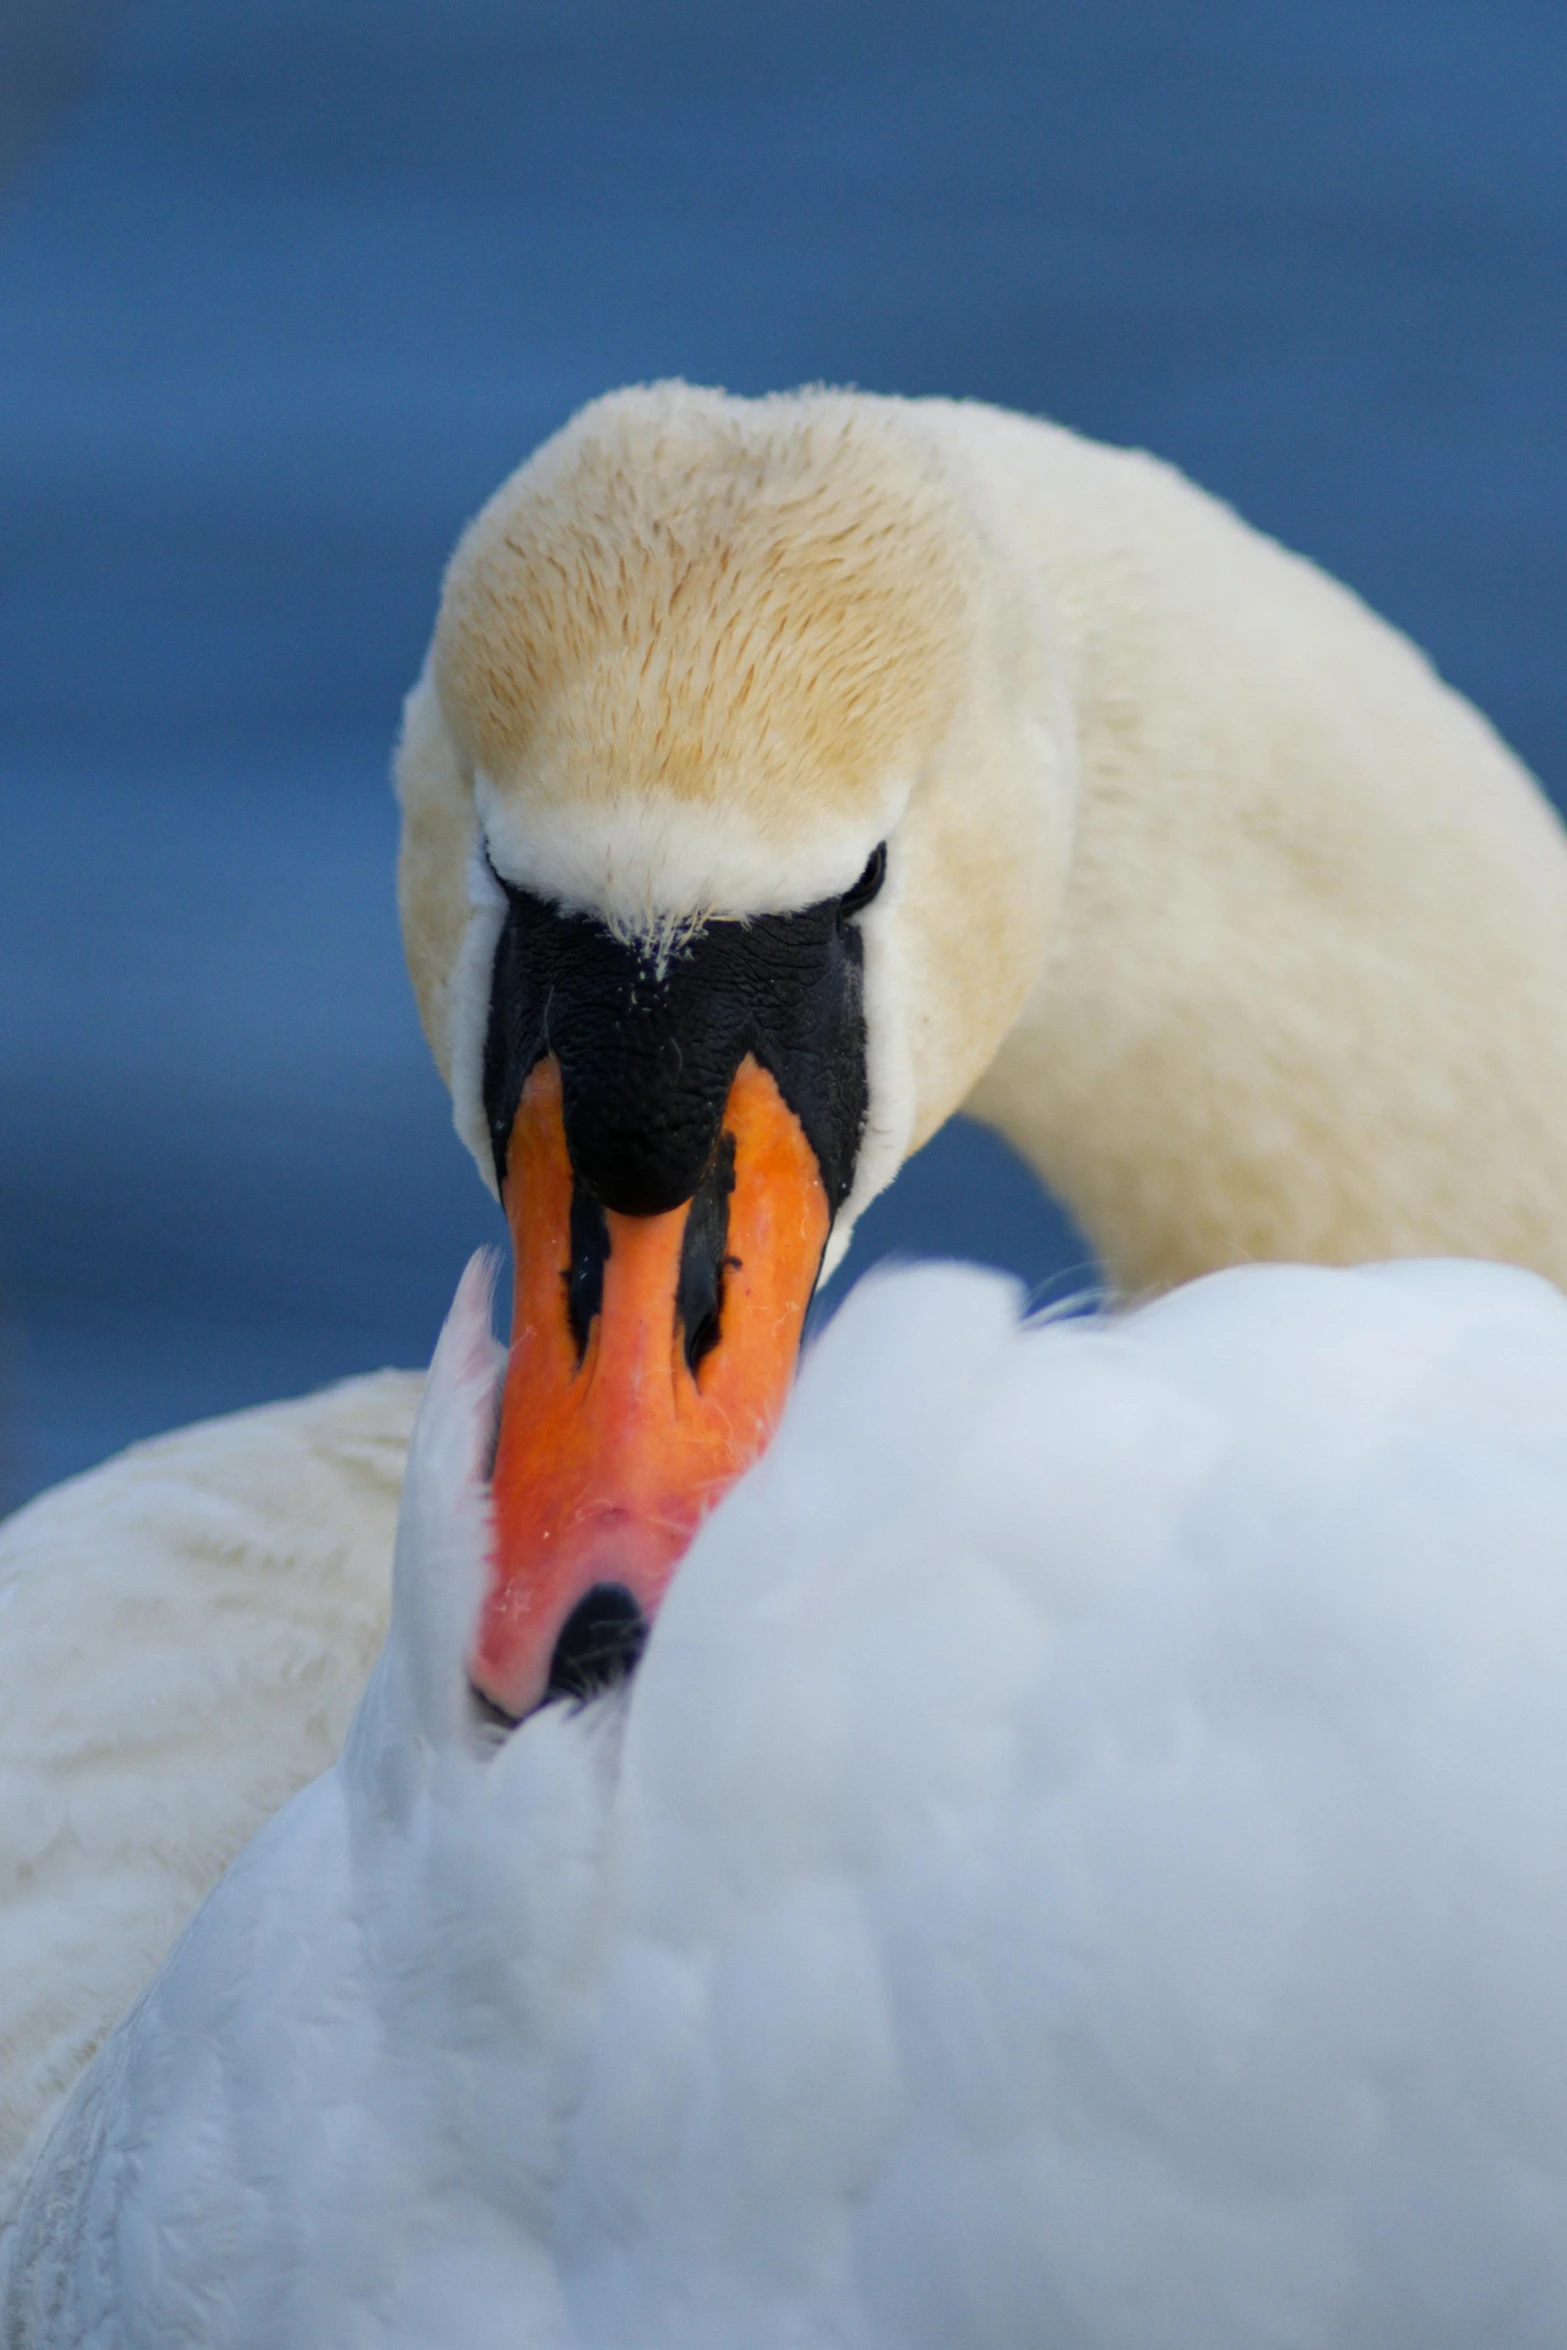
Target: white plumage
1082, 1862
184, 1635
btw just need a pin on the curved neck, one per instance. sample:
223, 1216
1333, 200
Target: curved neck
1307, 996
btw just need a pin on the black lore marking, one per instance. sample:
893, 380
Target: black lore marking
584, 1276
699, 1296
649, 1046
599, 1643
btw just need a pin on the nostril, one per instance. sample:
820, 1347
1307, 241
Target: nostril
700, 1299
584, 1276
599, 1643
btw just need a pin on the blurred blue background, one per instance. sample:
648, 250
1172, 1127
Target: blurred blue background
287, 285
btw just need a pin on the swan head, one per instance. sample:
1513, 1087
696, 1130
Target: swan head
735, 799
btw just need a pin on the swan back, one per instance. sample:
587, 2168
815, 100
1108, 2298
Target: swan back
184, 1635
1081, 1860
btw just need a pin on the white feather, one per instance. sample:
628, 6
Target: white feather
1082, 1861
184, 1635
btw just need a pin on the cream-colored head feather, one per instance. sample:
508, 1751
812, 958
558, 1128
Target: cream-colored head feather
695, 660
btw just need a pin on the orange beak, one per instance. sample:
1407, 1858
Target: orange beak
651, 1357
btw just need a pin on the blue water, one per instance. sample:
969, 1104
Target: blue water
298, 280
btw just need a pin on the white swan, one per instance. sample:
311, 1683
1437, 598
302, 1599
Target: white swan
1082, 1862
1197, 883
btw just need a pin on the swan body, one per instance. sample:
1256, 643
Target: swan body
184, 1635
1081, 1860
1199, 885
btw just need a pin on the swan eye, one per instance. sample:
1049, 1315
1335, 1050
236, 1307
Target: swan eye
870, 881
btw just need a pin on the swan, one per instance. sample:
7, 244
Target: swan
1080, 1861
786, 774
